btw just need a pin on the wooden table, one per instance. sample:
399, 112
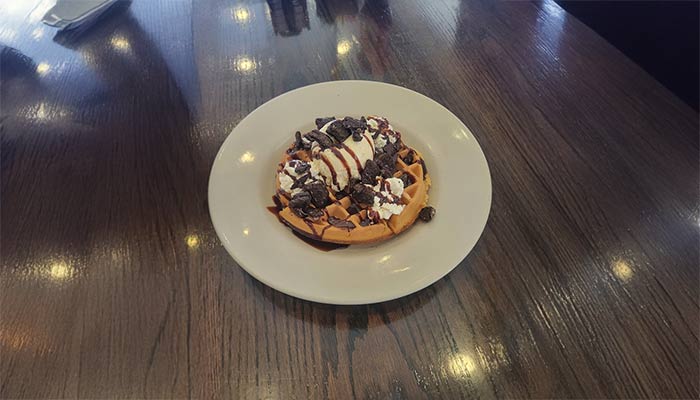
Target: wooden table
114, 284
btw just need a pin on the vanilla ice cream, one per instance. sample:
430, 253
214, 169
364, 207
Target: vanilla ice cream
337, 165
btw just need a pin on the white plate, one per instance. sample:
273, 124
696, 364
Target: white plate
242, 183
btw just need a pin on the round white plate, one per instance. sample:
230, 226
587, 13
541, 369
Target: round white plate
242, 183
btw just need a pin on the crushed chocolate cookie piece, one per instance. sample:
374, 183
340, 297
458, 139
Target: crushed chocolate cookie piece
356, 127
300, 200
425, 169
320, 122
365, 222
319, 194
406, 178
373, 216
300, 181
314, 213
301, 167
391, 148
357, 124
354, 209
300, 212
408, 159
341, 194
278, 202
362, 194
341, 223
426, 214
321, 138
387, 163
370, 172
338, 131
298, 143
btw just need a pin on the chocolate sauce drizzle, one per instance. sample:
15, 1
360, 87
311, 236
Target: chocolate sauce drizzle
354, 157
334, 177
312, 241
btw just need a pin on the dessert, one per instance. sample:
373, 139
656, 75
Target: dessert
351, 181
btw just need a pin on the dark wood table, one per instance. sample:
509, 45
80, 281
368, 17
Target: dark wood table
114, 284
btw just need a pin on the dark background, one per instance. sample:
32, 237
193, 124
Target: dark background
660, 36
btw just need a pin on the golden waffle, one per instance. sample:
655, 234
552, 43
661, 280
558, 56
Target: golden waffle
414, 197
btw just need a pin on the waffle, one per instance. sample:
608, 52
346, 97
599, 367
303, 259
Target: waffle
368, 228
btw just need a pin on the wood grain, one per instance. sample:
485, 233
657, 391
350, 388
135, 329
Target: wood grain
114, 285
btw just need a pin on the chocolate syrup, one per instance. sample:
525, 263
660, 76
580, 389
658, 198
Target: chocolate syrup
342, 160
371, 143
354, 156
334, 177
323, 246
274, 210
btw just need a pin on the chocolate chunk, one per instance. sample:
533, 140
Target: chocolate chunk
387, 173
362, 194
300, 181
338, 131
314, 213
370, 172
365, 222
320, 122
301, 167
426, 214
319, 194
321, 138
406, 178
409, 157
300, 200
341, 223
354, 209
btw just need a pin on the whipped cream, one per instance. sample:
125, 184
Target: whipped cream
288, 175
338, 165
388, 197
380, 141
383, 132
